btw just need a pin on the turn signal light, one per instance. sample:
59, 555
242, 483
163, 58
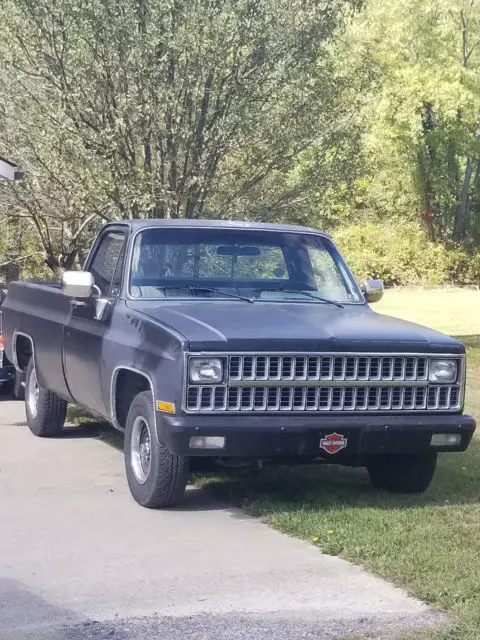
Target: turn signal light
166, 407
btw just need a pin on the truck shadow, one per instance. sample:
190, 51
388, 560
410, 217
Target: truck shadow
328, 487
321, 486
99, 430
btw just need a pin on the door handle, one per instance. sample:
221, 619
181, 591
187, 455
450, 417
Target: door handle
78, 303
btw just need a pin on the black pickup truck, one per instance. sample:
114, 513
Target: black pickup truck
211, 342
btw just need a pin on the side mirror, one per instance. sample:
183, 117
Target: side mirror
373, 290
77, 284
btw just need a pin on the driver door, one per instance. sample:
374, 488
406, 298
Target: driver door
85, 333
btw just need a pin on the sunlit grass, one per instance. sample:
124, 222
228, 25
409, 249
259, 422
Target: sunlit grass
452, 311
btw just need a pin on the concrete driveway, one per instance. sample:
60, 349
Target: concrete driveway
79, 559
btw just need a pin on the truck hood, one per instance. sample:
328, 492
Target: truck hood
283, 326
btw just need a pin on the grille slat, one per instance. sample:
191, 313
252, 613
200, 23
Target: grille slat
324, 383
326, 368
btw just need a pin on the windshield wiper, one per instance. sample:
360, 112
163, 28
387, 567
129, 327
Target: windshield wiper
192, 288
307, 294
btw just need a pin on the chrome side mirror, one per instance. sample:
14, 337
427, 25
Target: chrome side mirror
373, 290
78, 284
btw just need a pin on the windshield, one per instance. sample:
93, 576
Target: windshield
260, 265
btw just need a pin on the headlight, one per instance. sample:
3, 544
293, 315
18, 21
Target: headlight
443, 371
208, 370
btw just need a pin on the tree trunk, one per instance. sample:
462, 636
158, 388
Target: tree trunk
462, 214
473, 191
425, 162
463, 208
12, 272
426, 197
67, 261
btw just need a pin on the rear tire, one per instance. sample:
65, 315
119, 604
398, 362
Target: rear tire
156, 477
405, 473
46, 412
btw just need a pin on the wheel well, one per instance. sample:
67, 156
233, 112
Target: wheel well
23, 351
127, 385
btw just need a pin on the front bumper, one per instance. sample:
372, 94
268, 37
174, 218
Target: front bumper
277, 436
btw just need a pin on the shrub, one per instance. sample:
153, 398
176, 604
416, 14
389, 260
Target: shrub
401, 254
463, 268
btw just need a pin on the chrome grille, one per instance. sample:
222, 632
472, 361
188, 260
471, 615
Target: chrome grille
331, 367
324, 383
323, 398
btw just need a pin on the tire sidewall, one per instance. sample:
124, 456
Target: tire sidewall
51, 410
141, 407
32, 421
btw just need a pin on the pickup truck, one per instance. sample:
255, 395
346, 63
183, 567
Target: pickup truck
223, 343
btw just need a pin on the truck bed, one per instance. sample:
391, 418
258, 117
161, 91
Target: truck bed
38, 312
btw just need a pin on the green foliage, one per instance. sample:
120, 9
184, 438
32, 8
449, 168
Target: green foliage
420, 112
19, 251
158, 108
401, 254
278, 110
463, 268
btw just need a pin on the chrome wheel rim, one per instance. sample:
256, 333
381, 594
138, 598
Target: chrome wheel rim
33, 394
141, 448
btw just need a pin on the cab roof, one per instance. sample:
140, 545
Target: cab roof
183, 223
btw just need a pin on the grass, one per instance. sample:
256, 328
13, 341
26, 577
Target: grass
453, 311
429, 544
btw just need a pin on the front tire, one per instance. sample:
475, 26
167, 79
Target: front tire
156, 477
405, 473
46, 412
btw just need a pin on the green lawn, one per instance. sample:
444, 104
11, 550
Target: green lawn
429, 544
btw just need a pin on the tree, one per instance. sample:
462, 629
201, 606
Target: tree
421, 113
157, 108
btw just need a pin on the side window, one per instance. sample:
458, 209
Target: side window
104, 264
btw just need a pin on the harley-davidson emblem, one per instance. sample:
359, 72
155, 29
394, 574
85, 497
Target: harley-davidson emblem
333, 443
